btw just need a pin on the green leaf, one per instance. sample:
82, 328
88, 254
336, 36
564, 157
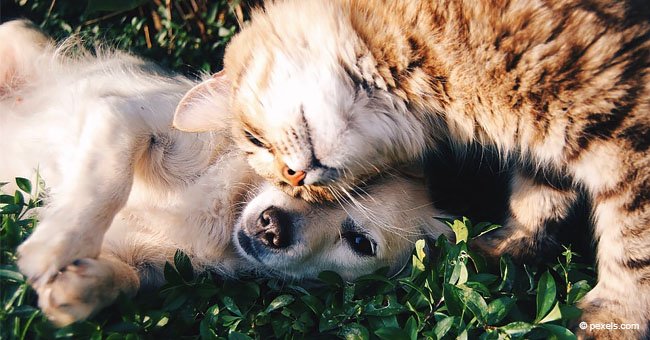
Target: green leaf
329, 319
171, 275
207, 326
12, 209
478, 287
517, 328
183, 265
475, 303
279, 302
22, 311
205, 290
558, 332
578, 290
443, 326
331, 278
238, 336
499, 308
411, 328
419, 249
546, 293
508, 275
19, 199
24, 184
230, 305
570, 312
484, 228
490, 334
389, 306
460, 230
354, 331
554, 314
452, 300
6, 199
484, 278
212, 312
377, 322
206, 332
392, 333
12, 275
313, 303
175, 300
418, 258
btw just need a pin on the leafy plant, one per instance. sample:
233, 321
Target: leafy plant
448, 292
185, 35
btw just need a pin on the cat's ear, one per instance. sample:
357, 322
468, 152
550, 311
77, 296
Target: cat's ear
21, 45
205, 107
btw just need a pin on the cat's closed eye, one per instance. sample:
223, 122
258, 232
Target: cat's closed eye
254, 140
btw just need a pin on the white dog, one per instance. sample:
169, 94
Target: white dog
125, 189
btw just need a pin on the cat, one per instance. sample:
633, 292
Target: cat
326, 94
125, 190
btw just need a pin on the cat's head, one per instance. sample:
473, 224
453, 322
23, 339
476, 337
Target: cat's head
309, 108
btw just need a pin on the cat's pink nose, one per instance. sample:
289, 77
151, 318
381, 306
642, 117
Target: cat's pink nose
295, 178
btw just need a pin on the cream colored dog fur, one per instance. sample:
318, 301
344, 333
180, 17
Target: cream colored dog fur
125, 189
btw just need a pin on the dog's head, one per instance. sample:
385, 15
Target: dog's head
372, 228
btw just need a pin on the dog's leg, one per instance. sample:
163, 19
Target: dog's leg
96, 185
132, 258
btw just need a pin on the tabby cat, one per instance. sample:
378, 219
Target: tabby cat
329, 93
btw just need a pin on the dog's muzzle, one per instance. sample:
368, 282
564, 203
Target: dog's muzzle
271, 232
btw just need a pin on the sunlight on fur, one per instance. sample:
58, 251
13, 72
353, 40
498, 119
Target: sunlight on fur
125, 190
327, 94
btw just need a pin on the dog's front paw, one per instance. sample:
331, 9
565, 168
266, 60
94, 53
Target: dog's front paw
77, 291
44, 254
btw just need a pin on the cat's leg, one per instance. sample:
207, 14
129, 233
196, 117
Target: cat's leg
620, 186
534, 206
84, 287
96, 183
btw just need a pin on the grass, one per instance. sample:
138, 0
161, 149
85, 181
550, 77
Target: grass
185, 35
447, 292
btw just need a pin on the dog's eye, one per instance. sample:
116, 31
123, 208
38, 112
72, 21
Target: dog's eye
360, 243
254, 140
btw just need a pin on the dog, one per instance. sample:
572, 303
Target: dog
125, 189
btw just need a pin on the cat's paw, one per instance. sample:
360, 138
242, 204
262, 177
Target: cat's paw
522, 244
504, 241
45, 253
604, 320
77, 291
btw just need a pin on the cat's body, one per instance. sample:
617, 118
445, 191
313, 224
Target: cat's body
328, 93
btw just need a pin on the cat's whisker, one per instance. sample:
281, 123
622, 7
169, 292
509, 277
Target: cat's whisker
368, 213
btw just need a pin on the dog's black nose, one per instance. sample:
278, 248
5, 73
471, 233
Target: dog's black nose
273, 228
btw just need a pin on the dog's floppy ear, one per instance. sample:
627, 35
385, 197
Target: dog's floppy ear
205, 107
